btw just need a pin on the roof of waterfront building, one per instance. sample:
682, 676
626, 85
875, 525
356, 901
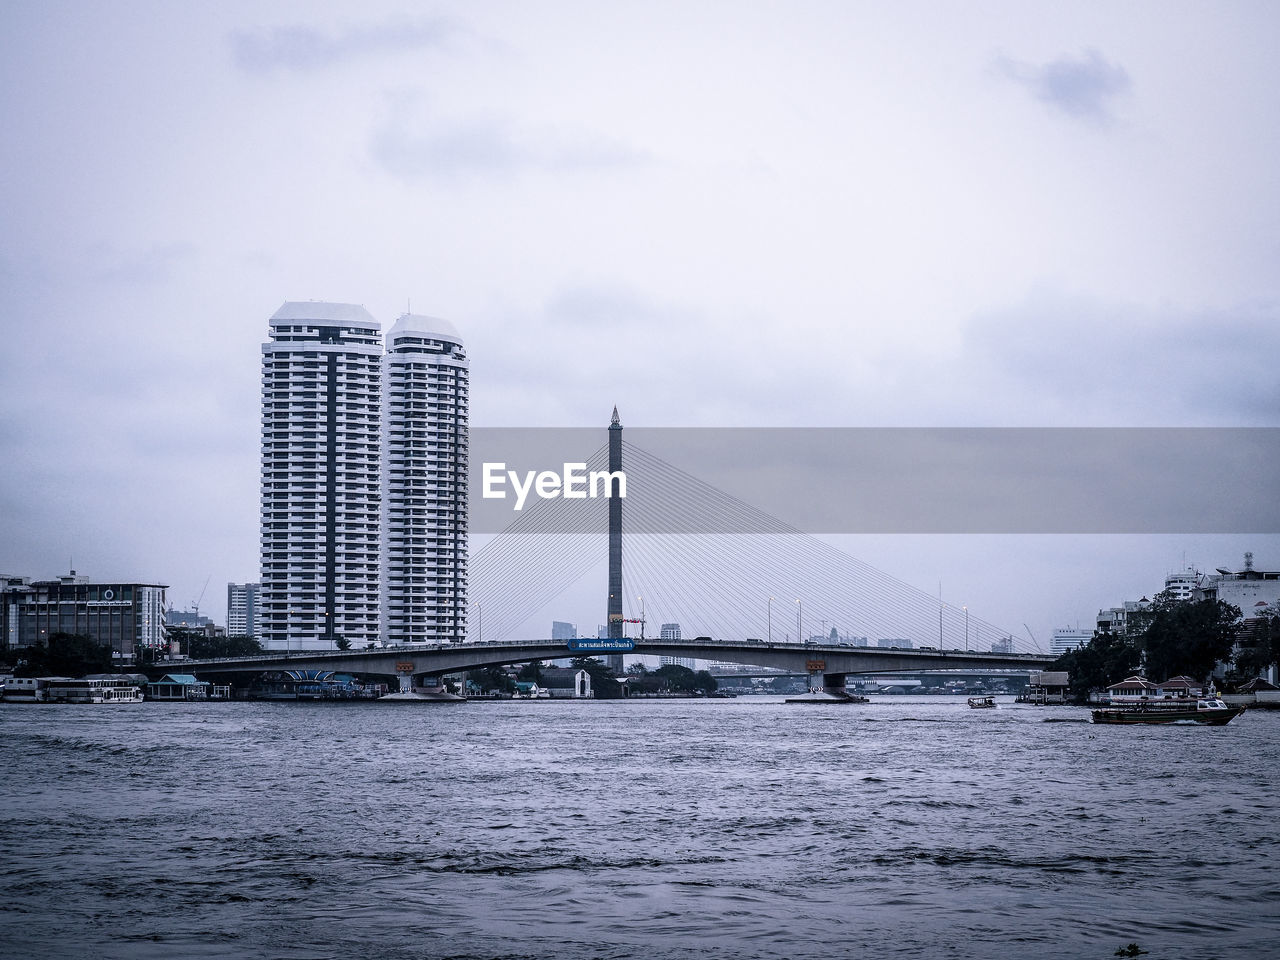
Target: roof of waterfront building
1133, 683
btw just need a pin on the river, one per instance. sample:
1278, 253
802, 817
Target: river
907, 827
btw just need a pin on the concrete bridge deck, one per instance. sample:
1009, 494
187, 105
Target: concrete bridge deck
422, 660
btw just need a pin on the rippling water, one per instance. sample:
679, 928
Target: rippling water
909, 827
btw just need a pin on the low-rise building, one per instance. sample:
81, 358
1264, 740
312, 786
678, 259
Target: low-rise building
1046, 687
1253, 591
1131, 690
178, 686
1180, 686
568, 684
125, 616
1115, 620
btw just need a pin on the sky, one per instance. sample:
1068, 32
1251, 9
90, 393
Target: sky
709, 214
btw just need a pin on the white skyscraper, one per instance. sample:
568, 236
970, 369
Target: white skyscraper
425, 486
242, 609
321, 496
1064, 640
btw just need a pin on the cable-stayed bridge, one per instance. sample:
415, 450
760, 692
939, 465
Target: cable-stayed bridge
720, 567
744, 586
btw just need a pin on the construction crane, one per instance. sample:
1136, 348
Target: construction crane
195, 607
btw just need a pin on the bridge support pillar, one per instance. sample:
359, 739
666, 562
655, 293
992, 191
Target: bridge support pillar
834, 684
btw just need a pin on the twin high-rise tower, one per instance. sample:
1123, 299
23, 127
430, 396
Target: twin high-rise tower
364, 479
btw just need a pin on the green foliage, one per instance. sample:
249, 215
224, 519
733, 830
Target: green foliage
1184, 637
201, 647
342, 643
1104, 660
672, 678
489, 679
531, 672
66, 655
1168, 639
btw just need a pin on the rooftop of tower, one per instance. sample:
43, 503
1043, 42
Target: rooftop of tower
425, 326
321, 311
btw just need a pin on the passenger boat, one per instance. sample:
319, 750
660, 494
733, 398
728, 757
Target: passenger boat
103, 689
982, 703
1210, 711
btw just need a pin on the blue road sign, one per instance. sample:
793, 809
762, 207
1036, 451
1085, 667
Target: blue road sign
615, 645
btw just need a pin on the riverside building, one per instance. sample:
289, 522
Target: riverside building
425, 404
126, 616
321, 477
1066, 639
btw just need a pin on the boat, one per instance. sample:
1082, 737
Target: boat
825, 696
1206, 710
982, 703
433, 695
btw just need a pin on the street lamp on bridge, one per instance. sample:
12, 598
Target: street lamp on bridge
479, 621
799, 621
769, 615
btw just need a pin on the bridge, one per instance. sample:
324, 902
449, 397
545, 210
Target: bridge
682, 551
827, 664
698, 559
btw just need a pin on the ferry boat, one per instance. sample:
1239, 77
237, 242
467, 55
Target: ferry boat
1210, 711
25, 689
105, 689
982, 703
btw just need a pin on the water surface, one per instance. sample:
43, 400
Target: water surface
908, 827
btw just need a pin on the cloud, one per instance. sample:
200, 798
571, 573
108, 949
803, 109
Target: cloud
155, 265
1082, 87
302, 48
1083, 360
493, 146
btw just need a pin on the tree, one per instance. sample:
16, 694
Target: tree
1184, 637
201, 647
67, 655
1167, 639
1106, 659
342, 643
487, 679
531, 672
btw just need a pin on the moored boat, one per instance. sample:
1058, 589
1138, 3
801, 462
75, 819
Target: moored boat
1209, 711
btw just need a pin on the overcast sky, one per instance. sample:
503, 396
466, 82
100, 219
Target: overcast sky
811, 214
